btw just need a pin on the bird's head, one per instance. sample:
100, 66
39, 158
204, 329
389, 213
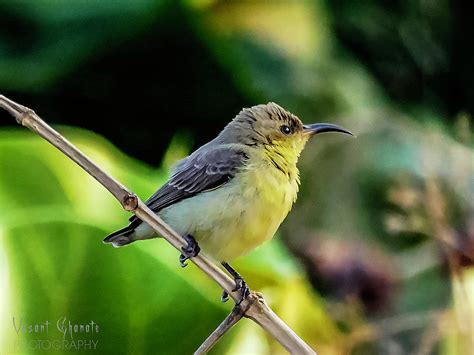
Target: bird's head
279, 132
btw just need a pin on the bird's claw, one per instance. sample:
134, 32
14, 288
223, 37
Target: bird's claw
225, 296
182, 260
189, 251
240, 285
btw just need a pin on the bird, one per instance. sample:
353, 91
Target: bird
231, 195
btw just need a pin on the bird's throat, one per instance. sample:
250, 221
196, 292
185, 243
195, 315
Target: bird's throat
282, 160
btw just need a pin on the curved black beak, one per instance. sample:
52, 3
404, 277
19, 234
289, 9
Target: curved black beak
317, 128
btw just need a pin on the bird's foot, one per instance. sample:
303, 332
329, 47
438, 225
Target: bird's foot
189, 251
240, 285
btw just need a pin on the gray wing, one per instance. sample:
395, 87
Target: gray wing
204, 170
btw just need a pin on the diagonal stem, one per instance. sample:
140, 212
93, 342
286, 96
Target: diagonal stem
235, 315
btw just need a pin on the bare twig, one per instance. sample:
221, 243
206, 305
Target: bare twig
235, 315
253, 307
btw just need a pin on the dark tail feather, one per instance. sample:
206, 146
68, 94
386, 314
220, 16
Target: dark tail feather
120, 237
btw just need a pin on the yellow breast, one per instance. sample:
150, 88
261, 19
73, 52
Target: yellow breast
253, 206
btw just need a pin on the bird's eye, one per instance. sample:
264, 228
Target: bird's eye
285, 129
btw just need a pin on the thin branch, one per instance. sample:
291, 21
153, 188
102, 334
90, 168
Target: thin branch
253, 307
235, 315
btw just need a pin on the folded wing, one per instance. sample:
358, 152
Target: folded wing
204, 170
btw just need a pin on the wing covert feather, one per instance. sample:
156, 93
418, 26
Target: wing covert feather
204, 170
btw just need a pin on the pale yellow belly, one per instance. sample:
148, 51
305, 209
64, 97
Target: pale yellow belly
234, 219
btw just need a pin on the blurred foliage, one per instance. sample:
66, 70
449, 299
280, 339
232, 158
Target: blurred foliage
384, 224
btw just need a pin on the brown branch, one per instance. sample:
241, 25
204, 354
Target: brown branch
253, 307
235, 315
